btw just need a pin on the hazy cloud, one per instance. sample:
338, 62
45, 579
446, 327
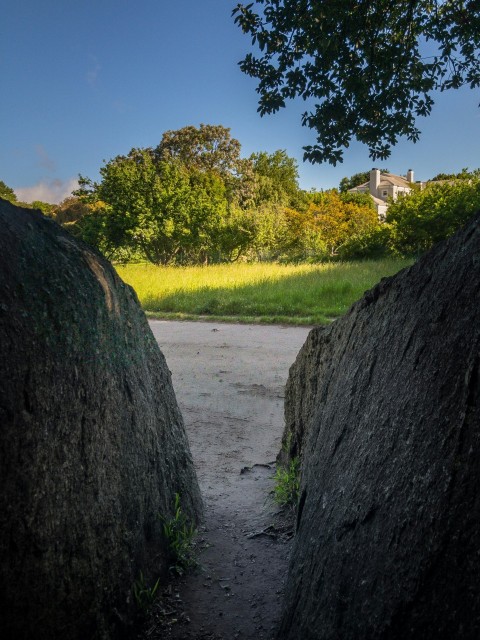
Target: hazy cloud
53, 191
44, 160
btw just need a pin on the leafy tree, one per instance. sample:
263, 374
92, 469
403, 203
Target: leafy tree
242, 185
7, 193
277, 178
355, 180
361, 65
277, 197
235, 237
70, 210
206, 208
374, 243
158, 208
464, 174
206, 148
322, 230
211, 148
423, 218
269, 231
127, 191
361, 199
95, 229
338, 221
301, 238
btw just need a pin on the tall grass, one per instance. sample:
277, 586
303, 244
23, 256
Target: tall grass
260, 292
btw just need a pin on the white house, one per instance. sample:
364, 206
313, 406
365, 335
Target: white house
383, 186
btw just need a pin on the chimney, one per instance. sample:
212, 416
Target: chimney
410, 175
374, 181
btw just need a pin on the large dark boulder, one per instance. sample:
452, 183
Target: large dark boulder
383, 407
92, 443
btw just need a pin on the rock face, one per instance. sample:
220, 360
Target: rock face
92, 443
384, 408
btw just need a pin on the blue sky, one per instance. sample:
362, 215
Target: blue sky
83, 81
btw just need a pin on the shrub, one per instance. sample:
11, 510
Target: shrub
373, 244
423, 218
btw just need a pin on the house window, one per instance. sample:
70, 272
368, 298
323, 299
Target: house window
385, 193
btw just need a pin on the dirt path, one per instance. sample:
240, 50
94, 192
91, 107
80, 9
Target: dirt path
229, 381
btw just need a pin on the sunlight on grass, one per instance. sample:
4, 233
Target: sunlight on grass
261, 292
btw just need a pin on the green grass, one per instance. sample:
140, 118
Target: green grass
260, 292
179, 533
145, 595
287, 484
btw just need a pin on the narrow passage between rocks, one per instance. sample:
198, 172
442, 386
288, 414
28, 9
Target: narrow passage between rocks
229, 381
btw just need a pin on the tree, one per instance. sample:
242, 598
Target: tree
423, 218
206, 205
70, 210
211, 148
277, 178
359, 198
235, 236
362, 66
338, 222
464, 174
206, 148
160, 209
301, 239
7, 193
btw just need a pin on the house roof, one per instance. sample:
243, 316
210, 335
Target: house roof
386, 180
359, 186
378, 202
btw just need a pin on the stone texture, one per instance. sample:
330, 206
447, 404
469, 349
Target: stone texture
92, 443
383, 407
300, 393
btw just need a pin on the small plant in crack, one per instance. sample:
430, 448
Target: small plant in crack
287, 484
144, 595
180, 535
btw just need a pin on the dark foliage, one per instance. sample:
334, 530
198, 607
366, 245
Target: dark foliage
367, 69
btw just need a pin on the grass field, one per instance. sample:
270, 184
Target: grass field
261, 292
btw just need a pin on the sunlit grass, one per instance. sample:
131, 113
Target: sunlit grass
261, 292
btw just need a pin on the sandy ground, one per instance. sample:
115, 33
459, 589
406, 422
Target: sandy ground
229, 381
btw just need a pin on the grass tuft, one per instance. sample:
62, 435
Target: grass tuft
180, 534
144, 595
287, 484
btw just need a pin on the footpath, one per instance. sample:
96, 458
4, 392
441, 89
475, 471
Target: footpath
229, 381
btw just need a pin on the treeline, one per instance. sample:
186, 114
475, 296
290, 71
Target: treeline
194, 200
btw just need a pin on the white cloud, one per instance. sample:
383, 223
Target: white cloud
52, 191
